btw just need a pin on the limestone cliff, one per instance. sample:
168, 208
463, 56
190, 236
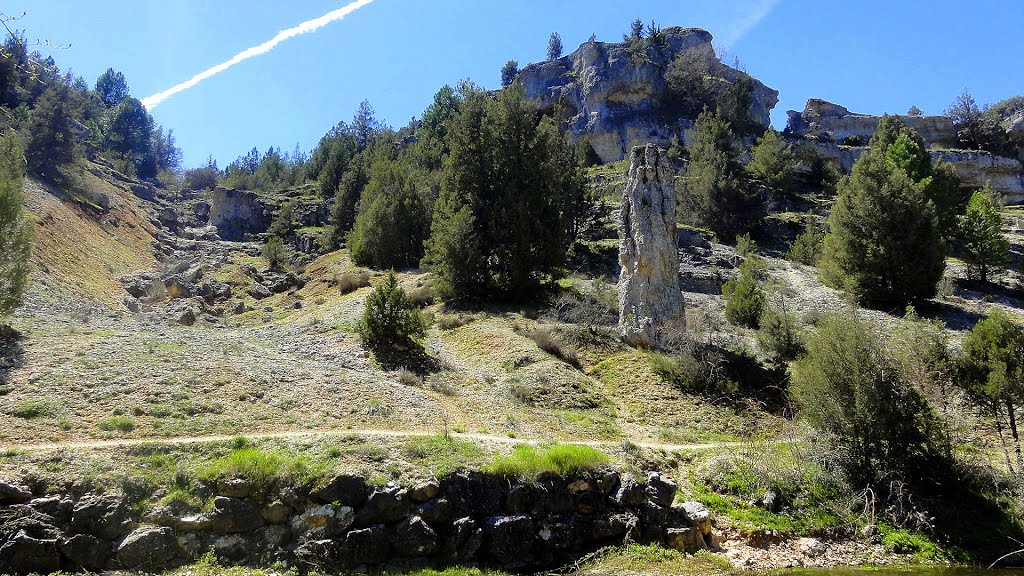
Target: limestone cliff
620, 100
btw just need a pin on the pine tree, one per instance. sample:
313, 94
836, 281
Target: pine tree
554, 46
883, 246
129, 133
773, 162
393, 222
112, 88
52, 143
981, 243
744, 298
509, 72
716, 194
15, 231
390, 316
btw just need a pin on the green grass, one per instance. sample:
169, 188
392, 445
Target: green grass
122, 424
263, 468
32, 408
907, 542
562, 459
442, 455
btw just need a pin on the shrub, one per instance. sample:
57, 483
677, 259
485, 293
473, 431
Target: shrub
423, 296
15, 231
562, 459
547, 342
744, 298
773, 162
32, 408
349, 282
850, 387
409, 378
121, 424
275, 252
696, 368
390, 317
779, 335
806, 248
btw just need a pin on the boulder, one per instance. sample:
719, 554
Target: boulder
235, 488
688, 540
259, 291
434, 512
24, 554
86, 552
317, 554
238, 214
424, 491
148, 548
464, 540
11, 494
366, 546
629, 494
650, 296
276, 512
383, 506
698, 515
660, 490
232, 515
106, 517
413, 538
323, 522
509, 540
345, 489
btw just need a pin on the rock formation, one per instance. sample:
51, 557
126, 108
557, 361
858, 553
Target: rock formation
619, 101
650, 298
837, 133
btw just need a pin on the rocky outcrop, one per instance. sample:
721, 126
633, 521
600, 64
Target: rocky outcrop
238, 214
650, 297
620, 101
466, 518
975, 168
828, 122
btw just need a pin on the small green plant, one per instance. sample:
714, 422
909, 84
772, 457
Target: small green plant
275, 253
807, 247
744, 245
122, 424
390, 317
563, 459
32, 408
744, 298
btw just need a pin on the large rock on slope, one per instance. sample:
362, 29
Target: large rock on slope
238, 214
650, 297
621, 101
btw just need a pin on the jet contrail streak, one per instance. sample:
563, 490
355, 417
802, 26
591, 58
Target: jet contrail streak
304, 28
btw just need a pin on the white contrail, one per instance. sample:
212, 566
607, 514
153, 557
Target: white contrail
304, 28
752, 14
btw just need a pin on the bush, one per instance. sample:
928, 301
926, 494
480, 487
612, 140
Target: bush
349, 282
121, 424
562, 459
275, 253
15, 231
806, 248
980, 238
390, 317
547, 342
744, 298
779, 334
849, 386
773, 162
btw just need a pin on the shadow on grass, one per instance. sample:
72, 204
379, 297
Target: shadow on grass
12, 355
411, 357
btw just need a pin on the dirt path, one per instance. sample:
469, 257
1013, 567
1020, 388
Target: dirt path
100, 444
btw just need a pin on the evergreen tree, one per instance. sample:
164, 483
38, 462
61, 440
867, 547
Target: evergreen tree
129, 133
390, 316
365, 125
991, 370
883, 246
275, 253
15, 231
554, 46
112, 88
744, 298
393, 222
981, 243
977, 129
509, 72
52, 143
773, 161
715, 193
504, 191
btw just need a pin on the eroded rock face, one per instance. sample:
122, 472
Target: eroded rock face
650, 298
828, 122
619, 101
238, 214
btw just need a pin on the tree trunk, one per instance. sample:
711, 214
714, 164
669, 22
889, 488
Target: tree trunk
1011, 410
1002, 439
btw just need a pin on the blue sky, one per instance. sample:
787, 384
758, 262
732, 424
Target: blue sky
871, 56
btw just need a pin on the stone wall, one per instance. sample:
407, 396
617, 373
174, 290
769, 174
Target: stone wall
464, 518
